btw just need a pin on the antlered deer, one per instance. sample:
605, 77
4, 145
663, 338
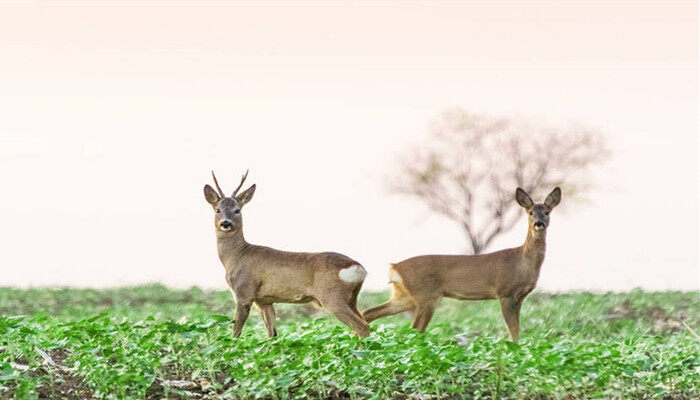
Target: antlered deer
262, 276
507, 275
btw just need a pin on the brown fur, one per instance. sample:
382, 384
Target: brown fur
262, 276
508, 275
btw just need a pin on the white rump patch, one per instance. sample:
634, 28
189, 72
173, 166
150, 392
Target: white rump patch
353, 273
394, 276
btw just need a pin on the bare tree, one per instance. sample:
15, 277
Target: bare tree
472, 164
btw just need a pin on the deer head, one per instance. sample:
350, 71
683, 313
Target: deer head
227, 217
538, 214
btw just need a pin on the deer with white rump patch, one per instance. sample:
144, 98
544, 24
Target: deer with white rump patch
262, 276
508, 275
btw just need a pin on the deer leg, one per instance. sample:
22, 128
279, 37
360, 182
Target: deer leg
391, 307
346, 315
242, 311
267, 311
353, 301
400, 301
510, 307
423, 314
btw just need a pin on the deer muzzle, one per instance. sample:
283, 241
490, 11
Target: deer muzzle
226, 225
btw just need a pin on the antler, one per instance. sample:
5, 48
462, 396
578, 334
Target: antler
218, 188
240, 184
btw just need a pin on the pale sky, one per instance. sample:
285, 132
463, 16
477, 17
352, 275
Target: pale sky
112, 116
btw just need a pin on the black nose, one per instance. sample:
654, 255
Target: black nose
225, 224
539, 224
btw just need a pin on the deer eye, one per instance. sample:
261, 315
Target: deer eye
237, 211
530, 213
218, 211
546, 213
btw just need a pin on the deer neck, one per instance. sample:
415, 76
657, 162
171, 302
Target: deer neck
230, 246
534, 248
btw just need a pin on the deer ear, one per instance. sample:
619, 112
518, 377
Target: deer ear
523, 198
553, 198
245, 197
211, 195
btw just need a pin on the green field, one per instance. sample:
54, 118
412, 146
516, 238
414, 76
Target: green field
152, 342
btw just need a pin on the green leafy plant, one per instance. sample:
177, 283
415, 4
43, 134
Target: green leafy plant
153, 342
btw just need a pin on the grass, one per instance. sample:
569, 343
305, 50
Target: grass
153, 342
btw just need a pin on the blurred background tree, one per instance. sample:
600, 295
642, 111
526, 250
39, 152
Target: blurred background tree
471, 165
